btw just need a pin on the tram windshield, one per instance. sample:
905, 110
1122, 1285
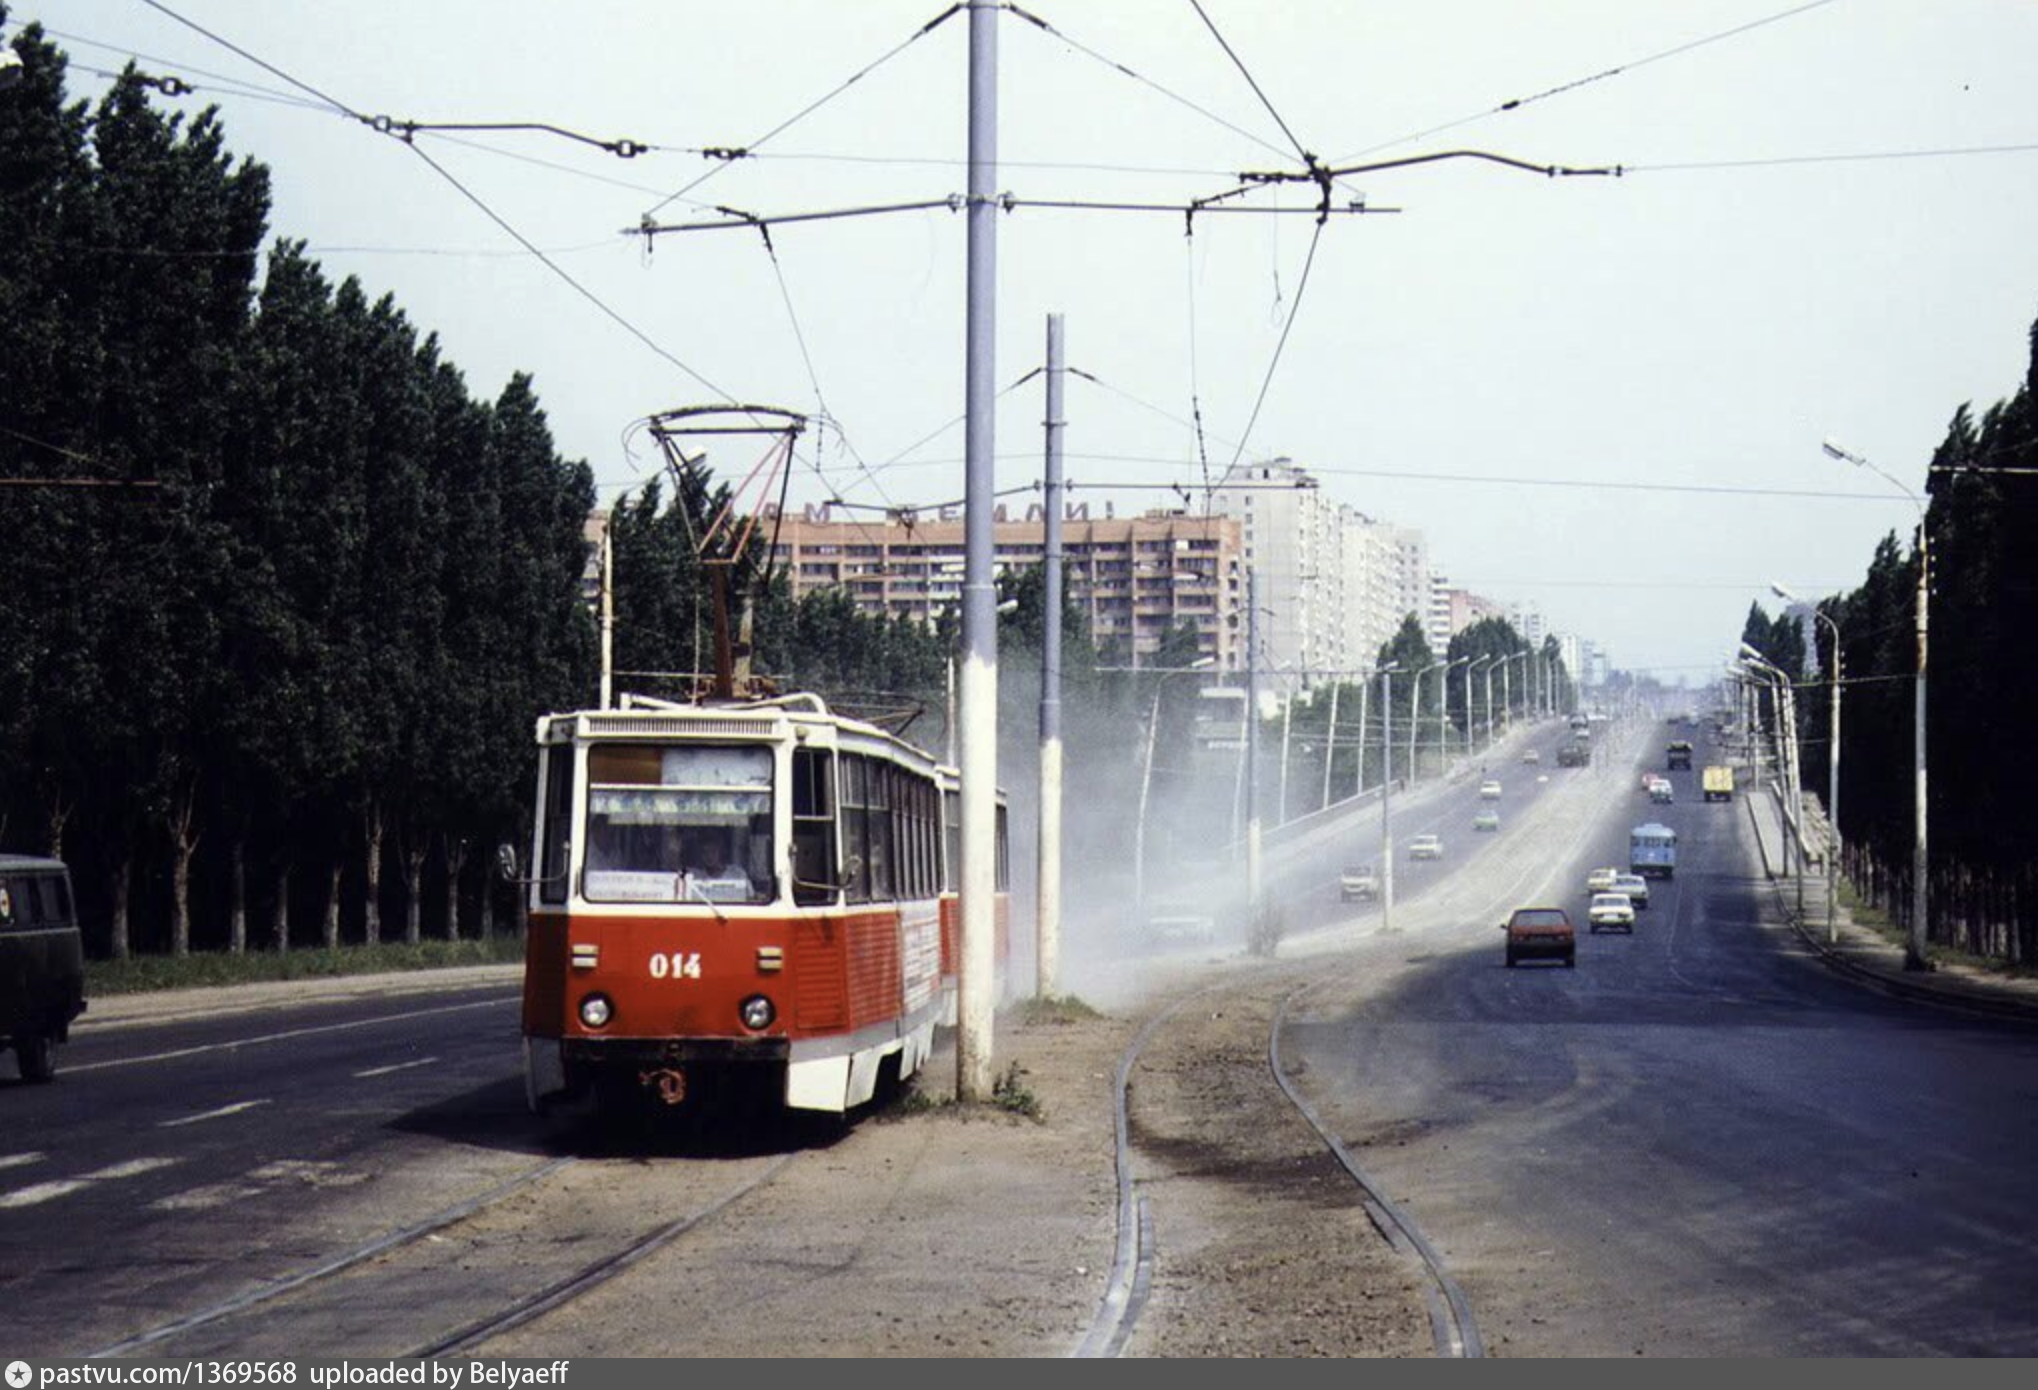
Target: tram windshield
690, 823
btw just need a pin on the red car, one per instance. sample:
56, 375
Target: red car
1540, 932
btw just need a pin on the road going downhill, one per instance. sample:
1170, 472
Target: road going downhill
1698, 1142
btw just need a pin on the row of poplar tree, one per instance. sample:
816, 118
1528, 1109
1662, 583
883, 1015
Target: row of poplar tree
1981, 515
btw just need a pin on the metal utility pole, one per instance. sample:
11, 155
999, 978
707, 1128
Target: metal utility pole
1047, 946
1489, 703
608, 609
1474, 661
1921, 878
1287, 722
1415, 716
1386, 795
1365, 698
1252, 742
977, 987
1330, 741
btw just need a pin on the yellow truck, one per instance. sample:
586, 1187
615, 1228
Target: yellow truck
1719, 783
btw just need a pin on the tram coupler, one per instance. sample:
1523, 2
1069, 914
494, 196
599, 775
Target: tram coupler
668, 1082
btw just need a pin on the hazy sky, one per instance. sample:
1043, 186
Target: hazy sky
1689, 325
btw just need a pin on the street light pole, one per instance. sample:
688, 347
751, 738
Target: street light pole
1833, 838
1489, 702
976, 993
1470, 663
1153, 723
1330, 742
1921, 900
1415, 715
1386, 794
1047, 901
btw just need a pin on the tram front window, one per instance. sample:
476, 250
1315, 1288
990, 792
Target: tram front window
678, 824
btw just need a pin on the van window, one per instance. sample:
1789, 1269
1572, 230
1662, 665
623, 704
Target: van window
56, 899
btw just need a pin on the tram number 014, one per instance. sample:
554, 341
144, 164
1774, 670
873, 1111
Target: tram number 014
678, 965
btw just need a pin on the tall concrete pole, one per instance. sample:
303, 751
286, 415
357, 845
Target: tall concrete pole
1921, 881
1287, 725
1330, 740
977, 986
1833, 792
1468, 706
608, 610
1252, 743
1489, 703
1047, 947
1415, 717
1365, 696
1386, 795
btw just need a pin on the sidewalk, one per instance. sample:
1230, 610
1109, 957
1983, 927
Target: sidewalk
219, 1001
1867, 957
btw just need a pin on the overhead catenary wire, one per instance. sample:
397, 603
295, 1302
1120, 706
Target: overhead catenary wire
1301, 150
726, 157
1516, 103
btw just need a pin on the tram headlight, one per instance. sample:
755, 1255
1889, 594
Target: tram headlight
596, 1011
757, 1013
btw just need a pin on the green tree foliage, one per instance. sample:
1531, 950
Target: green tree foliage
1983, 673
321, 637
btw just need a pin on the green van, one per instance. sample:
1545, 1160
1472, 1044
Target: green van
42, 962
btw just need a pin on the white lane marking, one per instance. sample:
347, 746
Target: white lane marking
41, 1192
19, 1160
220, 1113
171, 1056
400, 1066
63, 1187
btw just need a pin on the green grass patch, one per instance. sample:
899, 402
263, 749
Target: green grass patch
1010, 1097
1058, 1010
1879, 921
140, 974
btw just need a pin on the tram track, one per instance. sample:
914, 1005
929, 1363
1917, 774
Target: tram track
1454, 1330
320, 1300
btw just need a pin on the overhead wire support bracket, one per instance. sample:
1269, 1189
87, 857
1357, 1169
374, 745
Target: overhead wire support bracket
407, 132
650, 229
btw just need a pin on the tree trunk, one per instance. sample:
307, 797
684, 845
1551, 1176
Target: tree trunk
184, 837
279, 914
456, 863
60, 815
237, 906
123, 867
487, 923
331, 935
414, 895
372, 917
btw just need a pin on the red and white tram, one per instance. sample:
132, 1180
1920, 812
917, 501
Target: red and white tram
751, 891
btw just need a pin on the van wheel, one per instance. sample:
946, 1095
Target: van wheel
37, 1057
1510, 959
1571, 961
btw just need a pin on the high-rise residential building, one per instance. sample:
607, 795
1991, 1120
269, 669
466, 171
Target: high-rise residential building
1334, 583
1133, 577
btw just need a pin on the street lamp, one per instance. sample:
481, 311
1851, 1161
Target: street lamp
1415, 711
1471, 664
1914, 947
1788, 753
1444, 709
1153, 723
1832, 759
1492, 662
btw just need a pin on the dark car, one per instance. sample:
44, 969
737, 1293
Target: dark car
1543, 933
42, 962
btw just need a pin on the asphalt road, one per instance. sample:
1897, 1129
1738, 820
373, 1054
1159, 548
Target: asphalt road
1698, 1142
176, 1164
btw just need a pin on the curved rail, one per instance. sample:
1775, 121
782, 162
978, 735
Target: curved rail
1452, 1326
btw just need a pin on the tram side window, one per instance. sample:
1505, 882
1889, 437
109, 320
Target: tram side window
855, 832
558, 823
814, 881
951, 827
883, 855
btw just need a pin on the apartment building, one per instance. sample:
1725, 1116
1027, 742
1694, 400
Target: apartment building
1134, 577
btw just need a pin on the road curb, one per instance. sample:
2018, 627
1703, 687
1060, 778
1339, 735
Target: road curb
112, 1012
1894, 986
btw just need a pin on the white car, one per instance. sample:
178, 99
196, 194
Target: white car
1635, 887
1532, 757
1601, 880
1426, 847
1360, 884
1611, 912
1489, 790
1486, 820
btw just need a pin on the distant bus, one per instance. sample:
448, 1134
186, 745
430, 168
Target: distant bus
1652, 851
